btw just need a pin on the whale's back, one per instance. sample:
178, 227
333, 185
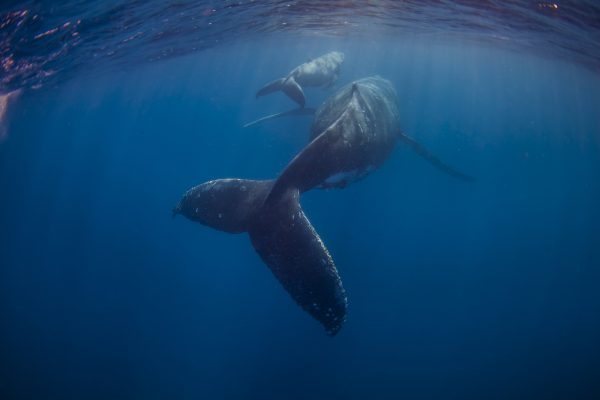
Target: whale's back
378, 105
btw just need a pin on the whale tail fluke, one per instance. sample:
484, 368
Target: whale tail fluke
436, 162
289, 113
271, 87
288, 85
287, 242
282, 236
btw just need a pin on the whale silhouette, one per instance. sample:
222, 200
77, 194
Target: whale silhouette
352, 134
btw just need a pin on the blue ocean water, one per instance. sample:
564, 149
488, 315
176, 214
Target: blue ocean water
456, 290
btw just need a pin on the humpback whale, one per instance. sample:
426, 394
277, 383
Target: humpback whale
353, 133
322, 71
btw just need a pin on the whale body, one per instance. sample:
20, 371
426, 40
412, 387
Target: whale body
352, 134
320, 72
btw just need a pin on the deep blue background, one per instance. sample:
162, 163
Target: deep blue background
484, 290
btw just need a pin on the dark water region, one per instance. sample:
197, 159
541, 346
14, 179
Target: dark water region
456, 290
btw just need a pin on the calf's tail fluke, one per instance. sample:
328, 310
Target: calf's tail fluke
288, 85
281, 234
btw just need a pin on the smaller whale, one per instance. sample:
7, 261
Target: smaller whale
320, 72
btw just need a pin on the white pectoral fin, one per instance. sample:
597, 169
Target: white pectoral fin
436, 162
294, 112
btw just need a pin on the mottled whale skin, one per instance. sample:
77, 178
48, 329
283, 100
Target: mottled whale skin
353, 133
320, 72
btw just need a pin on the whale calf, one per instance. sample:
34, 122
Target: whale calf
353, 133
322, 71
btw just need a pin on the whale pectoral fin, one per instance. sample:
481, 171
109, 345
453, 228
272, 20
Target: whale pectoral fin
436, 162
290, 246
271, 87
294, 91
289, 113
